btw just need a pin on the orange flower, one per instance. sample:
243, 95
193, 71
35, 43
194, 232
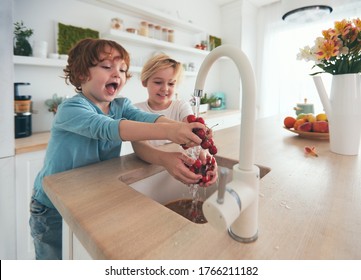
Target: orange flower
342, 27
310, 151
357, 23
338, 51
329, 34
328, 49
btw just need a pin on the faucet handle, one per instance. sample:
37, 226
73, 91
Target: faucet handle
198, 93
222, 184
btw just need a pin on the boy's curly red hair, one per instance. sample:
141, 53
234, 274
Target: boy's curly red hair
85, 54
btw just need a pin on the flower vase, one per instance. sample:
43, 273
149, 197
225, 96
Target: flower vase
344, 113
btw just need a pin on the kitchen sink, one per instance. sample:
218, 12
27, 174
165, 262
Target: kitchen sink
163, 188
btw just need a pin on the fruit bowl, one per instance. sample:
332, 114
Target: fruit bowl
310, 135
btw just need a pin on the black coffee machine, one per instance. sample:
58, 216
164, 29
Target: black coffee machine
22, 111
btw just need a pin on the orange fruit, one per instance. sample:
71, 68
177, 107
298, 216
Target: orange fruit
289, 122
298, 123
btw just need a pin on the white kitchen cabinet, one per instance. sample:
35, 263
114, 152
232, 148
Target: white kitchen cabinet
72, 248
27, 166
7, 209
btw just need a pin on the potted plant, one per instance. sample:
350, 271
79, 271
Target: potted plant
53, 103
206, 100
204, 103
21, 43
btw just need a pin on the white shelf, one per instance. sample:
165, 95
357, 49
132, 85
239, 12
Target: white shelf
146, 13
47, 62
36, 61
122, 36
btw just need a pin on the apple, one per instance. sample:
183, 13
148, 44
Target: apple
289, 122
307, 117
298, 123
321, 117
320, 126
307, 127
301, 116
310, 117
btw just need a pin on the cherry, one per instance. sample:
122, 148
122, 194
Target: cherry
206, 144
197, 164
199, 132
212, 150
191, 118
200, 120
205, 179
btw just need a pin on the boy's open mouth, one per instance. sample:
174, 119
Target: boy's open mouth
112, 87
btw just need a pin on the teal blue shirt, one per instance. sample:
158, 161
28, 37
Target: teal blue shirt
82, 134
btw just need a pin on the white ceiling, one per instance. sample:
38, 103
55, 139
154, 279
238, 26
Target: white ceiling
260, 3
257, 3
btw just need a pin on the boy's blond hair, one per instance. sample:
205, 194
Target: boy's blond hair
160, 62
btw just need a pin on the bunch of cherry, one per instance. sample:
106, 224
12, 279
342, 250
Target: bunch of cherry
207, 143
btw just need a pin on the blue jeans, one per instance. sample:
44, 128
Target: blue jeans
46, 230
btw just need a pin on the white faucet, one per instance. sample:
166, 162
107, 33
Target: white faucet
238, 210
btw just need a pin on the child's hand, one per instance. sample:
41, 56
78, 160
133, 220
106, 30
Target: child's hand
213, 174
181, 133
175, 164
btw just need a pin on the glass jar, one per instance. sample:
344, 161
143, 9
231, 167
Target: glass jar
158, 32
171, 35
151, 30
165, 34
143, 30
117, 24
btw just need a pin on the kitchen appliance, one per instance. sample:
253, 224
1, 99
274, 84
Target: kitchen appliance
220, 103
22, 112
304, 108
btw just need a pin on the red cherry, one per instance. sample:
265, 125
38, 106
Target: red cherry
205, 179
199, 132
191, 118
209, 159
197, 164
213, 150
200, 120
206, 144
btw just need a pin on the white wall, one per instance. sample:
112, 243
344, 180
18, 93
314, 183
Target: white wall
42, 15
239, 25
7, 164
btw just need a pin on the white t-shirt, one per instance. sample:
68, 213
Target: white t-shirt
178, 110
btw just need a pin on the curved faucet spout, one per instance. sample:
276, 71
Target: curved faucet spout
248, 112
239, 211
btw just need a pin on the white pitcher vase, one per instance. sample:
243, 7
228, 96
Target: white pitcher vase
343, 110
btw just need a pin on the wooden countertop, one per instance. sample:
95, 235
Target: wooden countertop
36, 142
310, 207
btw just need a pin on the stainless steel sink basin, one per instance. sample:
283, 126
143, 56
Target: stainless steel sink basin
163, 188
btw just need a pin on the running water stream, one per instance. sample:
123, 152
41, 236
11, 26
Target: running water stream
191, 208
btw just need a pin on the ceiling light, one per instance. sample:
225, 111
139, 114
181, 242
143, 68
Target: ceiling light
304, 11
